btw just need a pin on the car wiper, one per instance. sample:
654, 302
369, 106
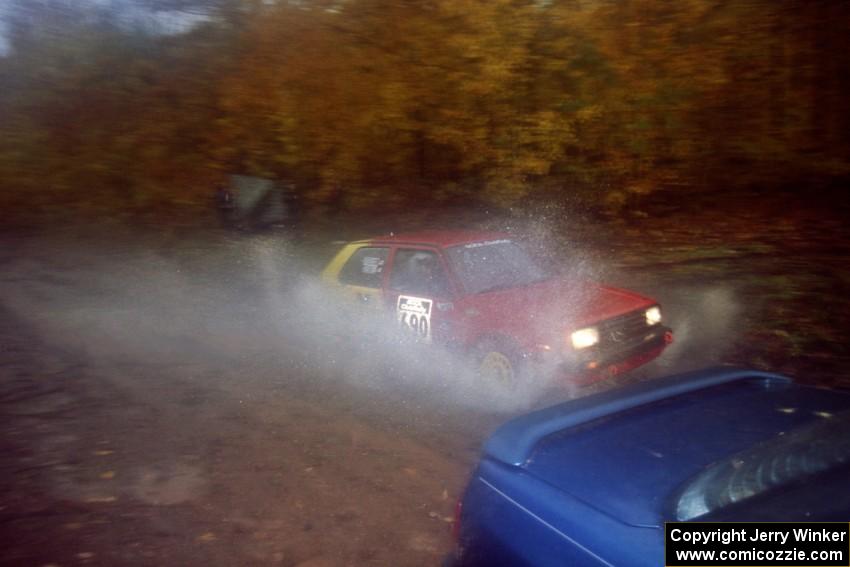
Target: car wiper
501, 286
544, 278
496, 287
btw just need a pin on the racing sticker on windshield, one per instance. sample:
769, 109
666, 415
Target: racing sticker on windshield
414, 315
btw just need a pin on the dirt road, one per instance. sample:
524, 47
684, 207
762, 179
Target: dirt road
186, 401
142, 425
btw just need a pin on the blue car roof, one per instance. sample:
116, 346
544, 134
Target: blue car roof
514, 441
627, 452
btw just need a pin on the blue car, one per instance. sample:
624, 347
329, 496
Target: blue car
592, 481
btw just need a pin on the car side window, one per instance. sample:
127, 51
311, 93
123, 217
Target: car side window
365, 268
418, 272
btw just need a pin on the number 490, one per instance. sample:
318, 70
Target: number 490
417, 323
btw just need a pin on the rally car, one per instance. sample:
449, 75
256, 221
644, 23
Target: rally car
483, 293
593, 480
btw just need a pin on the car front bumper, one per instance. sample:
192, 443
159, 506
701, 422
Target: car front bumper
599, 364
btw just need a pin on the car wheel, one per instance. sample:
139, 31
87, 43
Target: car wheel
498, 363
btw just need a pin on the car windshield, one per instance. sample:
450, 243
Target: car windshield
790, 458
494, 264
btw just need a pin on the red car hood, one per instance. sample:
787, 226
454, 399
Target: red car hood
557, 304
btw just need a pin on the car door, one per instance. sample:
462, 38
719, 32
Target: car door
361, 276
419, 291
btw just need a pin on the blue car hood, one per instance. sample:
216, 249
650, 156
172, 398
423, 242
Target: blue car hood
630, 465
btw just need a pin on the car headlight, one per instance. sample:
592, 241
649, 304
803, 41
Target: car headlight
653, 315
584, 338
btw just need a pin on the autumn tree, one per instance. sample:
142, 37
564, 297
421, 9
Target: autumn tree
366, 101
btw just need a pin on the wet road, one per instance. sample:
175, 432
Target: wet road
187, 400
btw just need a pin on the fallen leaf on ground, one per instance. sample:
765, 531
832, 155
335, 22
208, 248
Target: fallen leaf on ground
101, 499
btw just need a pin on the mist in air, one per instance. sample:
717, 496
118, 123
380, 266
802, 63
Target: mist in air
256, 303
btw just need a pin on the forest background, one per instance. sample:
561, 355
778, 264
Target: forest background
594, 104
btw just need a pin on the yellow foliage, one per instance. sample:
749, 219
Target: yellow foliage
354, 98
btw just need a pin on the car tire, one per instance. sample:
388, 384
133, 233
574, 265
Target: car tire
498, 362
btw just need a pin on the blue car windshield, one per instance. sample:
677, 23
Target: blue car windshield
493, 265
789, 458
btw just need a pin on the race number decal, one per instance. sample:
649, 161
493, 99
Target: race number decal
414, 315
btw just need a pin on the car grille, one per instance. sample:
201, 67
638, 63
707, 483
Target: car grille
625, 332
